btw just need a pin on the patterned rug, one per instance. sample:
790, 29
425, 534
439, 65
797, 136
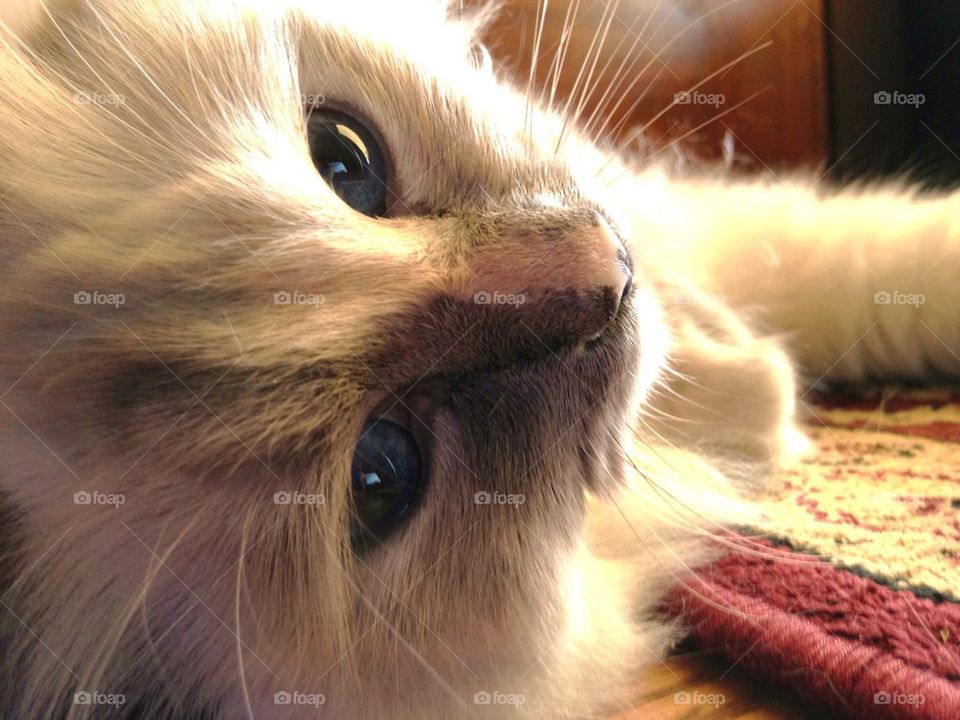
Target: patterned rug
849, 592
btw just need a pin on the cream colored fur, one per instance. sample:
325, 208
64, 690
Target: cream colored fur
188, 188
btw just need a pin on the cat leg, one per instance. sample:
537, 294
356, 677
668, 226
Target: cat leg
862, 282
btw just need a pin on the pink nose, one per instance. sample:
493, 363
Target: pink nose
579, 276
612, 269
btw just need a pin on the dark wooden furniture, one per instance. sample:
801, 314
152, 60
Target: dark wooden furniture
805, 95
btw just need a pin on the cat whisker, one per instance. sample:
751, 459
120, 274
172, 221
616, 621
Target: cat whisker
641, 131
708, 528
560, 55
624, 70
106, 84
19, 56
661, 413
653, 431
419, 657
679, 35
664, 388
143, 70
590, 89
640, 162
594, 50
542, 7
245, 691
679, 577
100, 657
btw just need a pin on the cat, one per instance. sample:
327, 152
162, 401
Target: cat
343, 378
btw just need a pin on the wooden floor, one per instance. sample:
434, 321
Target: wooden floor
703, 678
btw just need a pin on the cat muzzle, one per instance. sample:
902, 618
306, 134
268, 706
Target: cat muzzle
572, 287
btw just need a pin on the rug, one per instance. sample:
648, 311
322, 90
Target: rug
849, 590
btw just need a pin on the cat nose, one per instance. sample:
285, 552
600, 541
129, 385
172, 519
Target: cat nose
601, 279
566, 285
613, 270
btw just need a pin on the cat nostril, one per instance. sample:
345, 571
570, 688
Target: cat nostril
617, 270
627, 286
619, 290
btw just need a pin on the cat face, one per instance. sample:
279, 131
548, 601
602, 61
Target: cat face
223, 320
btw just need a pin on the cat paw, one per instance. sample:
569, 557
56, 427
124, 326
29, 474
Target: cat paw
728, 392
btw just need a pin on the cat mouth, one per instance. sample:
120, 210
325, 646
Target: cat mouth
416, 407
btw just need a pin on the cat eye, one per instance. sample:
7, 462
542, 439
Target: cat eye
385, 480
350, 160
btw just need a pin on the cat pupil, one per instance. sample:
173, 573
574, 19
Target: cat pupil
385, 480
371, 480
350, 160
334, 169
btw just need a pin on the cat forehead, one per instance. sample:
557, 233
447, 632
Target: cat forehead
223, 78
350, 48
401, 23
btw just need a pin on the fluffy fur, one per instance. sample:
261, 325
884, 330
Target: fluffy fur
156, 150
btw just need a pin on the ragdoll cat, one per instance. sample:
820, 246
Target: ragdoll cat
341, 379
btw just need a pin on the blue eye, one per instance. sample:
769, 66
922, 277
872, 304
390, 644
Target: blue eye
385, 480
349, 159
